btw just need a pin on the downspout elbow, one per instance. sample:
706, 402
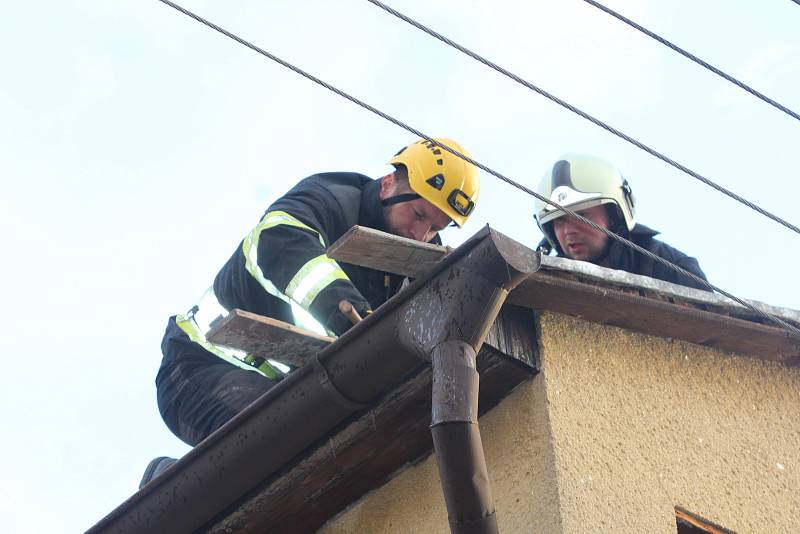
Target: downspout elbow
457, 441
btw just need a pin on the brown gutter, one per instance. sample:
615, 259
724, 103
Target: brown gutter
457, 301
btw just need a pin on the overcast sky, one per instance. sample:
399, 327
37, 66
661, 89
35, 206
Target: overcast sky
137, 148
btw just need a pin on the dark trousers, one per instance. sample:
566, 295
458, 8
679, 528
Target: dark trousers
199, 392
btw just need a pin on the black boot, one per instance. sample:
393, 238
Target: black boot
155, 468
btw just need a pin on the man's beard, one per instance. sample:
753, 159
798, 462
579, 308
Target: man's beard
602, 255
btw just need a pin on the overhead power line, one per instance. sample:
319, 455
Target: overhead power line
585, 115
694, 58
768, 316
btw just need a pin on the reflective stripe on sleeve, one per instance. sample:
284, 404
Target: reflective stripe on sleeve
250, 248
312, 278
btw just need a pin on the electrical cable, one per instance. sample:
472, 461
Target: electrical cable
792, 329
694, 58
583, 114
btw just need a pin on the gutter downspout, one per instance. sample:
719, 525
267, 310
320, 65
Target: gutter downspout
457, 440
457, 301
459, 316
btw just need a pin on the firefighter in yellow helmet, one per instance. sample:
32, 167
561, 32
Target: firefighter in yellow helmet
596, 189
280, 270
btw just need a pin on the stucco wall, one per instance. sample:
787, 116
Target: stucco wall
641, 424
615, 431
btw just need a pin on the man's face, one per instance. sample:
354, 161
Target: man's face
416, 219
580, 241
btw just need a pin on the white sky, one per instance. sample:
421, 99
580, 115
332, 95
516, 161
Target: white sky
137, 147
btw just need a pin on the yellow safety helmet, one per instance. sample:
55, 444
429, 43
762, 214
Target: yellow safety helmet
443, 179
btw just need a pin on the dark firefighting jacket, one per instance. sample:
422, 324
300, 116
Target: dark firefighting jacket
282, 261
626, 259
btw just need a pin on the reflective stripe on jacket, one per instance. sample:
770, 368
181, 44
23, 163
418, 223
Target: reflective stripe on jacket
282, 262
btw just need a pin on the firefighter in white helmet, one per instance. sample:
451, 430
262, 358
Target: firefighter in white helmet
595, 189
280, 270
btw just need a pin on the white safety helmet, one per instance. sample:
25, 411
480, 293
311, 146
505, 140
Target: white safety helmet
577, 182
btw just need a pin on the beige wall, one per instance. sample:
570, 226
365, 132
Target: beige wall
641, 424
617, 430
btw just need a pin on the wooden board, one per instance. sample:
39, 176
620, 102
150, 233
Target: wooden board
386, 252
364, 239
267, 338
276, 340
656, 317
513, 334
604, 296
589, 273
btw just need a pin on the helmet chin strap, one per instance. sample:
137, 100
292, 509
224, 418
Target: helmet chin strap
398, 199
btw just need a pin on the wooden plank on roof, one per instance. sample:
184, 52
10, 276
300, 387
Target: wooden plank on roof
603, 296
267, 338
591, 273
366, 239
386, 252
275, 340
363, 451
545, 291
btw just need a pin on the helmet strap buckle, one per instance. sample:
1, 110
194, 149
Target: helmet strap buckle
627, 193
460, 202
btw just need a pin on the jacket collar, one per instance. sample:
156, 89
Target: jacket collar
625, 258
371, 211
640, 230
